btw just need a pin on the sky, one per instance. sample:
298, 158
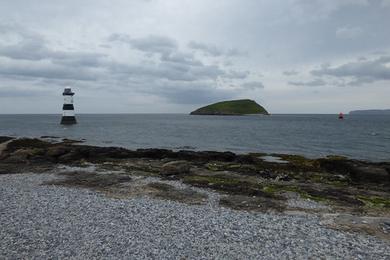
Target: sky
173, 56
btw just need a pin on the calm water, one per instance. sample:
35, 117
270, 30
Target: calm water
361, 137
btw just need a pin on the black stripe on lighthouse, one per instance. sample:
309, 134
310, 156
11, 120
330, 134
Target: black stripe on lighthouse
68, 107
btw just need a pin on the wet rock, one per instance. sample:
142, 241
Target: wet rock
71, 141
20, 155
24, 143
4, 139
359, 172
108, 152
219, 156
283, 177
57, 151
70, 157
339, 196
205, 156
175, 168
370, 174
336, 166
90, 179
154, 153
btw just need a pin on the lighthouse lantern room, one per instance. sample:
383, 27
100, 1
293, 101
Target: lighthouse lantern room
68, 116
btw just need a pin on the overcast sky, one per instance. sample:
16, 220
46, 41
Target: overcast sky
172, 56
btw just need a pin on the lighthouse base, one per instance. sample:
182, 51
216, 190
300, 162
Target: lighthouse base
68, 120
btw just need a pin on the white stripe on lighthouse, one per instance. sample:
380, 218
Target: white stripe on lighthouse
68, 113
68, 100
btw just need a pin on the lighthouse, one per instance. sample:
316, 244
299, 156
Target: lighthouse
68, 117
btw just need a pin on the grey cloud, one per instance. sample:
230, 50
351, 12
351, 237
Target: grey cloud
379, 52
253, 85
233, 74
175, 75
35, 51
348, 32
173, 64
150, 44
30, 46
24, 51
30, 58
78, 59
385, 3
167, 70
9, 92
213, 50
312, 83
290, 72
207, 49
49, 71
33, 47
182, 58
197, 96
191, 92
359, 71
303, 10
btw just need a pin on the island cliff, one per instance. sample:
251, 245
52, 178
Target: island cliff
233, 107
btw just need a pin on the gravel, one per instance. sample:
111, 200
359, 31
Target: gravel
40, 222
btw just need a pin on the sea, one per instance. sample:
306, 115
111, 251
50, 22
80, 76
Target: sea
365, 137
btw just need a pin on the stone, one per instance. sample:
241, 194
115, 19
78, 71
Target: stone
20, 155
4, 139
175, 168
370, 174
70, 157
57, 151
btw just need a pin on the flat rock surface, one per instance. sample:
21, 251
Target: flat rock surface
45, 221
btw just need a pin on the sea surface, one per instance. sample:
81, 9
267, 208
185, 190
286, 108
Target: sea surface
357, 136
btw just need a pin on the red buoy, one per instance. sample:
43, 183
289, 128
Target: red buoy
341, 116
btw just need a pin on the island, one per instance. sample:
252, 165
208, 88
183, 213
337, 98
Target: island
232, 108
371, 112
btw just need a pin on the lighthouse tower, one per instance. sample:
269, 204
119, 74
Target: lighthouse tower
68, 117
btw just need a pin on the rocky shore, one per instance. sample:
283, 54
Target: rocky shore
332, 195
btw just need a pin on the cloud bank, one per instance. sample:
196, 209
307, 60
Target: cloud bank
179, 54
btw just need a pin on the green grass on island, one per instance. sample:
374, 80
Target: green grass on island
233, 107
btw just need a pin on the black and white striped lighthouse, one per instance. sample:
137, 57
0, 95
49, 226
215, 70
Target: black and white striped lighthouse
68, 117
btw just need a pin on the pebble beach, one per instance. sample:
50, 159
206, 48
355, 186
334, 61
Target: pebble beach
42, 221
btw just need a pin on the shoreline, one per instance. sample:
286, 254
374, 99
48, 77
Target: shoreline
350, 194
188, 148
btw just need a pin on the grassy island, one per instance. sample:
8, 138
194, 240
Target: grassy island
233, 107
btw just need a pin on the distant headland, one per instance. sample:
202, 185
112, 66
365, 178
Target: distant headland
371, 112
232, 108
